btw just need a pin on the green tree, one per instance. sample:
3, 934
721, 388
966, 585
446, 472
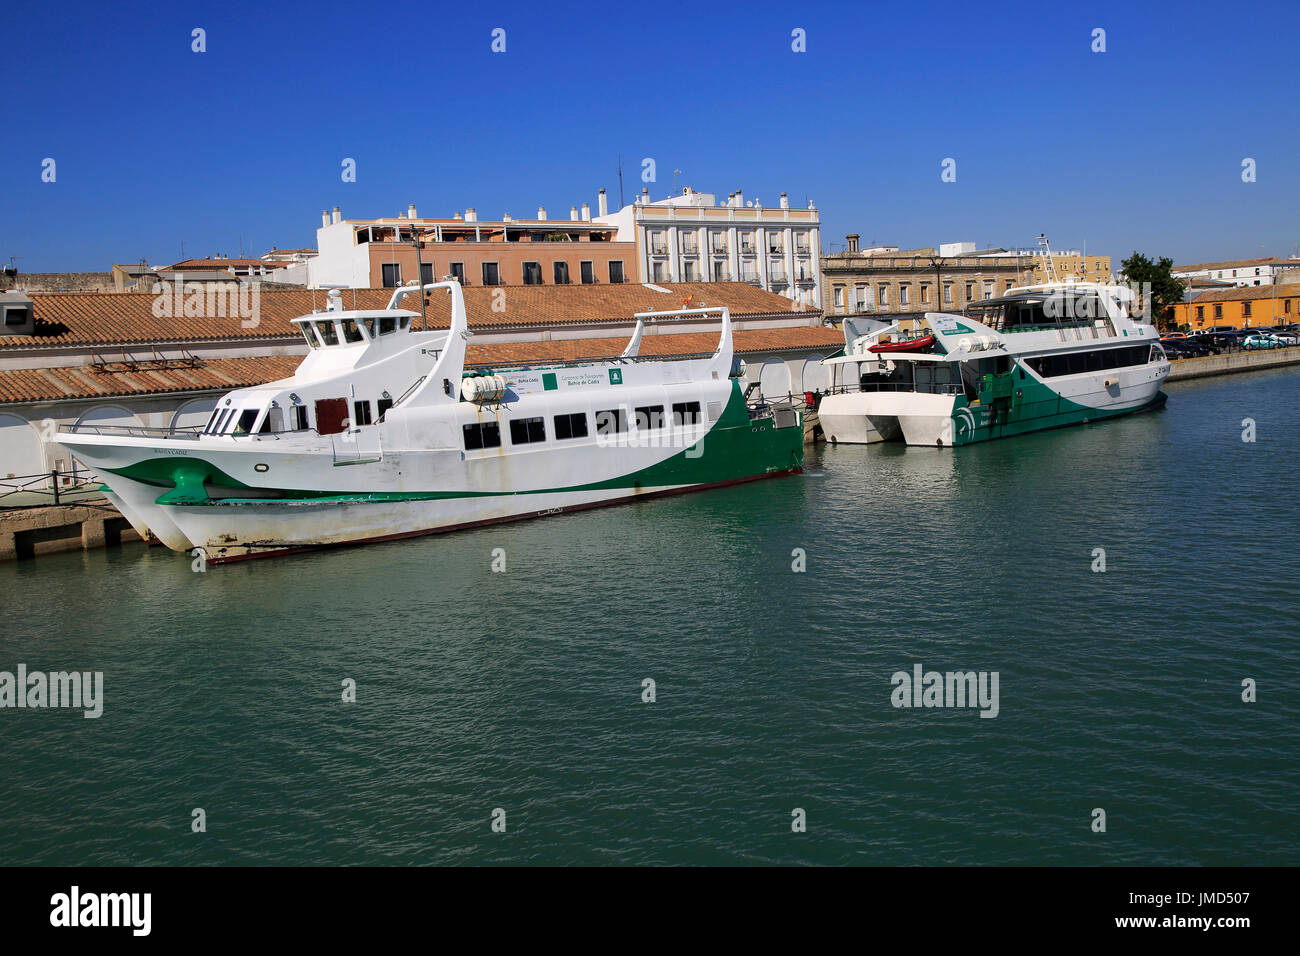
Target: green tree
1164, 289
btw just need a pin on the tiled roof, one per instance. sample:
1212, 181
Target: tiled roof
1237, 264
1248, 292
83, 381
219, 264
123, 318
818, 338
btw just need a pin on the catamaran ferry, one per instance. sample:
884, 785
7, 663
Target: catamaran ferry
382, 434
1041, 356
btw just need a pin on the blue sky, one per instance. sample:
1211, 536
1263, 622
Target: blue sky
1139, 147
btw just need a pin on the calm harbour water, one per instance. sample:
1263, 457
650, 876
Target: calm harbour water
522, 690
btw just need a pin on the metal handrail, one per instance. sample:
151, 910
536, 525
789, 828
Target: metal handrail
188, 432
22, 484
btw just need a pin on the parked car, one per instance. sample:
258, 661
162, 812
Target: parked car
1260, 340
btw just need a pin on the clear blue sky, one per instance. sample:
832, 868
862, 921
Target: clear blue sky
1139, 147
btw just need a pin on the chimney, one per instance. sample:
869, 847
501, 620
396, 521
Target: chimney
853, 241
505, 217
336, 216
324, 217
785, 201
457, 216
541, 213
645, 194
602, 204
573, 213
586, 213
740, 198
410, 211
471, 215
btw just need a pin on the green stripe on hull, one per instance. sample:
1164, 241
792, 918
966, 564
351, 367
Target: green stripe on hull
735, 447
1029, 405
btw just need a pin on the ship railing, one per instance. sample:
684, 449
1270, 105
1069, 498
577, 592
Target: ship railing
181, 433
927, 388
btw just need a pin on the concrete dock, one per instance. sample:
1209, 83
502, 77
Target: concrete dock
1232, 362
31, 532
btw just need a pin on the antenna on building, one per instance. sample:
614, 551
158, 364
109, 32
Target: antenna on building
620, 180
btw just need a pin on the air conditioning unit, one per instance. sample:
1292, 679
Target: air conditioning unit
17, 314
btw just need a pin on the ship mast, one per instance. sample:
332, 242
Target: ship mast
1045, 250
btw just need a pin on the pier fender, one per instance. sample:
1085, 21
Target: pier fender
189, 477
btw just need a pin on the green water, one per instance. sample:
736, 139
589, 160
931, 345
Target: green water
522, 690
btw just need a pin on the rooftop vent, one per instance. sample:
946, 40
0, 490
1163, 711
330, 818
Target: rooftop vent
17, 314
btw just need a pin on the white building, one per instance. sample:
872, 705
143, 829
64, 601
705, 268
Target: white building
694, 238
1267, 271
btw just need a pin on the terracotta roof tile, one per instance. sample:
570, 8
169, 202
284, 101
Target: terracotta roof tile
125, 318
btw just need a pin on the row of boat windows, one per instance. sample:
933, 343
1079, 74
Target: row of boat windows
526, 431
326, 332
1097, 360
240, 421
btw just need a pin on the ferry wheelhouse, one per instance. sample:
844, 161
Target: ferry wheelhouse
381, 433
1041, 356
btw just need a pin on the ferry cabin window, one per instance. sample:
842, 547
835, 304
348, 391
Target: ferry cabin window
482, 435
298, 418
208, 429
361, 413
306, 331
246, 419
610, 421
220, 426
571, 426
1098, 360
328, 334
382, 406
350, 331
387, 324
369, 326
686, 413
523, 431
403, 322
649, 416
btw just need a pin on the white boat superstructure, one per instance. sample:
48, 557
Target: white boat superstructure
1040, 356
381, 433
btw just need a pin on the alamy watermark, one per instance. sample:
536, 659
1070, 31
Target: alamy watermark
209, 300
37, 689
953, 689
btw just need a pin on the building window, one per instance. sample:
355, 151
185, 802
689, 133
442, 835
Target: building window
524, 431
882, 295
839, 297
457, 272
491, 273
658, 271
747, 242
1218, 311
925, 293
532, 273
718, 241
657, 245
426, 273
392, 272
947, 293
687, 240
1245, 310
861, 295
1286, 306
689, 271
970, 291
587, 272
904, 295
571, 426
1200, 312
561, 273
801, 243
616, 271
482, 435
988, 288
721, 273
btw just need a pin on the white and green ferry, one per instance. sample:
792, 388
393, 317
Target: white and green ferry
1041, 356
382, 434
